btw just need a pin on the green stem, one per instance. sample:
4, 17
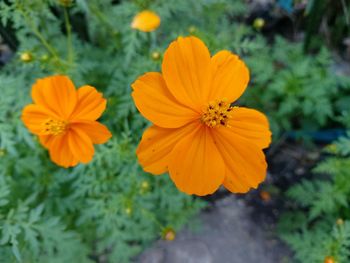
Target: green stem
69, 36
37, 33
152, 217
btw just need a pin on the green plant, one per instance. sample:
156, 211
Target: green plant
318, 223
329, 20
297, 91
110, 210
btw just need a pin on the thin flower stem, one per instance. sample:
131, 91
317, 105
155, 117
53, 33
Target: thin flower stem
69, 36
102, 18
44, 42
151, 216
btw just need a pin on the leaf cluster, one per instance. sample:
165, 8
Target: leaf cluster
318, 222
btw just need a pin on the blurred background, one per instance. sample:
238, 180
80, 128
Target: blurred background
298, 53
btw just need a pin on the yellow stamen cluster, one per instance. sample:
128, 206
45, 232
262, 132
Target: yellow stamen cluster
217, 113
55, 127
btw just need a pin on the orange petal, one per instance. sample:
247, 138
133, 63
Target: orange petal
156, 144
187, 71
155, 102
196, 166
34, 116
97, 132
56, 93
252, 125
230, 76
46, 140
146, 21
245, 161
90, 105
80, 144
60, 152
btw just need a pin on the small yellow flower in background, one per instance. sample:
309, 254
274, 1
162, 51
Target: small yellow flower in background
64, 119
258, 23
197, 136
329, 259
168, 234
2, 152
146, 21
26, 57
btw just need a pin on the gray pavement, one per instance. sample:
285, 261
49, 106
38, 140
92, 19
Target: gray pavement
226, 233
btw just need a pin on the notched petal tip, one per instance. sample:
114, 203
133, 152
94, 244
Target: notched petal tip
230, 76
186, 69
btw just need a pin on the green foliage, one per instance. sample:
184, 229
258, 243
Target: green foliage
297, 91
109, 210
318, 223
328, 18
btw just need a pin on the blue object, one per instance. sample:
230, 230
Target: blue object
286, 5
324, 136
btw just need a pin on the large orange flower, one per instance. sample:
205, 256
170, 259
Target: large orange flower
65, 119
197, 136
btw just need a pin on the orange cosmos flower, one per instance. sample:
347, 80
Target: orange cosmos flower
65, 119
146, 21
197, 136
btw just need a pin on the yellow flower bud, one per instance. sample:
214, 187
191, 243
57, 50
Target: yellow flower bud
26, 57
168, 234
339, 221
258, 23
44, 57
145, 185
65, 3
156, 55
329, 259
128, 211
192, 29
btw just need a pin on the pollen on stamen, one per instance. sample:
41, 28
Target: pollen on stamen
55, 127
217, 113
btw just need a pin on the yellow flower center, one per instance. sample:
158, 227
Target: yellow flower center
55, 127
217, 113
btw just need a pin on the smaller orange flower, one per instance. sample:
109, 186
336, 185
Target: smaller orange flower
146, 21
64, 119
